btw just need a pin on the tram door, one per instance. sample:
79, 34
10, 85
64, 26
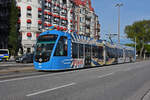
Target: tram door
87, 60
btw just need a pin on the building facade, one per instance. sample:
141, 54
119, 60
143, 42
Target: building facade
4, 23
66, 15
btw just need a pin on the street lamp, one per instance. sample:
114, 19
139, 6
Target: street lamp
119, 5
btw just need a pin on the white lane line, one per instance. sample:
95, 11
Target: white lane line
106, 75
30, 77
48, 90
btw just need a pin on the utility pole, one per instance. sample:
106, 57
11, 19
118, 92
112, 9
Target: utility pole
119, 5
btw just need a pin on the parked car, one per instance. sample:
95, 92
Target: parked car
26, 58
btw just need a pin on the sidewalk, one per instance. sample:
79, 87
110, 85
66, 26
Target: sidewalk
147, 96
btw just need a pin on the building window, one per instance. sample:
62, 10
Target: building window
81, 29
56, 9
49, 5
29, 9
81, 19
64, 1
29, 1
39, 16
29, 14
64, 22
28, 50
39, 26
19, 0
55, 21
64, 12
28, 25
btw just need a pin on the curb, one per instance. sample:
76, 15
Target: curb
147, 95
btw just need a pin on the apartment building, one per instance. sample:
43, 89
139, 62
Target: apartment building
66, 15
87, 22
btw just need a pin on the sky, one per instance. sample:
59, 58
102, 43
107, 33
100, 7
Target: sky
131, 11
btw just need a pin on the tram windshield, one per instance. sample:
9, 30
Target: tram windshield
44, 47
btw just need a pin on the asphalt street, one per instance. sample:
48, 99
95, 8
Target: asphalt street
128, 81
14, 64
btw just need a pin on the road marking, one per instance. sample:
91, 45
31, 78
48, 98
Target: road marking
24, 78
106, 75
52, 89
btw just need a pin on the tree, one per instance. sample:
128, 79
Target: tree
141, 31
13, 33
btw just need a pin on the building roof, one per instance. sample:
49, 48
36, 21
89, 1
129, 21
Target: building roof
83, 2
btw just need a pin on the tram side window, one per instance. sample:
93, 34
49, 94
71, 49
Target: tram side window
74, 50
80, 50
110, 52
133, 53
121, 52
100, 52
62, 47
87, 50
94, 51
116, 51
113, 52
126, 53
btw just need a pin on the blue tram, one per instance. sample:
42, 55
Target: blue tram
57, 50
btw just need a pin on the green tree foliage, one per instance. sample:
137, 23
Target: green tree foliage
147, 48
141, 31
13, 33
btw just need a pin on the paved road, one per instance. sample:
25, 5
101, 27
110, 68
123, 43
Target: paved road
13, 67
116, 82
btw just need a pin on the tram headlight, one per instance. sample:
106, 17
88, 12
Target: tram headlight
40, 60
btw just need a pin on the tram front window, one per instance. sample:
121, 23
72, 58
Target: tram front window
44, 47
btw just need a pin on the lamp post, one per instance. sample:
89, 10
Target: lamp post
119, 5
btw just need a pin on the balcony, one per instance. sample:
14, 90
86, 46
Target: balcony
56, 10
64, 12
23, 28
87, 22
48, 6
64, 5
88, 17
87, 26
56, 20
64, 22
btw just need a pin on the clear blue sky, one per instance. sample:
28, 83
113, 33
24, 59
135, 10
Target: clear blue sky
131, 11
